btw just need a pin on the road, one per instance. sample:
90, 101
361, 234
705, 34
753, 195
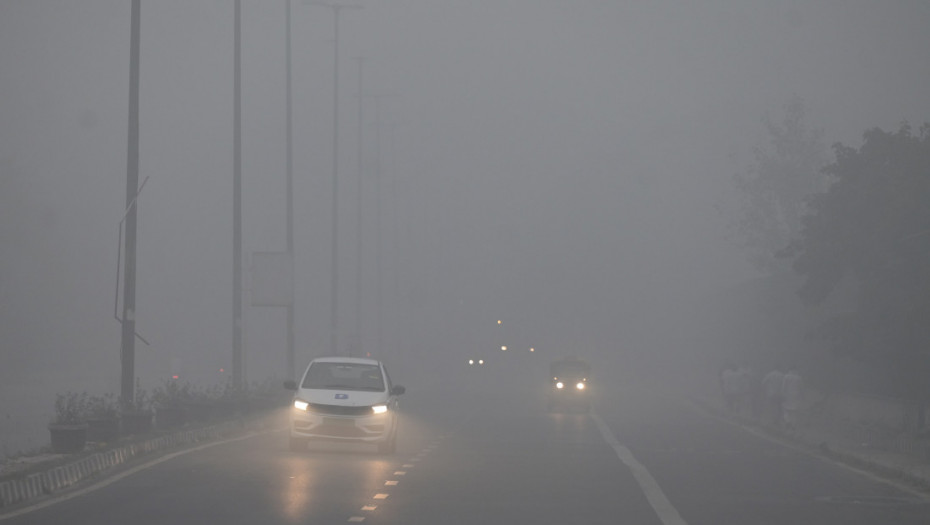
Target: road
480, 448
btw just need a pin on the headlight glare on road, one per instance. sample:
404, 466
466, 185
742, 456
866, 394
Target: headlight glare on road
559, 385
379, 409
300, 404
580, 386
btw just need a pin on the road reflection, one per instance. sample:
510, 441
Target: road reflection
324, 466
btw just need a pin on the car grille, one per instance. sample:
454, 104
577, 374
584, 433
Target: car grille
339, 410
340, 431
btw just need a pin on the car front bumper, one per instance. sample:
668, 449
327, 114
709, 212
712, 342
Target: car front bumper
374, 428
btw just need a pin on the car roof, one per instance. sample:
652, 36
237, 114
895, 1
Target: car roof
353, 360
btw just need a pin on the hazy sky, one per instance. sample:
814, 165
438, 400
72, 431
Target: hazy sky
557, 164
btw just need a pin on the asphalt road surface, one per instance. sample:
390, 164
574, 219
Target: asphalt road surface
481, 449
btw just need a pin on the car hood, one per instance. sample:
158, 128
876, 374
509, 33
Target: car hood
348, 398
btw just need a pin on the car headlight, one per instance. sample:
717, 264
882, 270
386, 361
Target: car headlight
580, 386
379, 409
559, 385
300, 404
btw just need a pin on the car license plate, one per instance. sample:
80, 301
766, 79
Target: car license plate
338, 421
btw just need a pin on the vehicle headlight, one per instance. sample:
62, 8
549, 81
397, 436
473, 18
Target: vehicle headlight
580, 386
379, 409
300, 404
559, 385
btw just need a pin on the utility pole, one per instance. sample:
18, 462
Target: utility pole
377, 97
289, 207
334, 297
128, 324
378, 215
358, 222
237, 200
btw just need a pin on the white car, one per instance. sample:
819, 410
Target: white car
344, 399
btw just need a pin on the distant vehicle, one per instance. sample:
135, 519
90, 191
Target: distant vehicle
344, 399
569, 384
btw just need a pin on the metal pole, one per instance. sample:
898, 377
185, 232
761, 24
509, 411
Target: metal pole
378, 214
358, 222
237, 200
128, 332
392, 170
289, 207
334, 299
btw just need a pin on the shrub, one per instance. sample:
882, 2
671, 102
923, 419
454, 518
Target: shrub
71, 408
172, 394
102, 407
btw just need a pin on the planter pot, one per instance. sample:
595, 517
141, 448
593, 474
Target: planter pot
170, 416
103, 430
68, 439
132, 423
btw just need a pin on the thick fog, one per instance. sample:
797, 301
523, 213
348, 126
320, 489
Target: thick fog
563, 166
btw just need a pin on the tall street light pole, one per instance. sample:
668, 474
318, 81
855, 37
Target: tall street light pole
289, 206
237, 199
334, 298
378, 290
358, 221
378, 220
128, 325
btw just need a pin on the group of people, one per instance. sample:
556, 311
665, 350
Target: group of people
778, 393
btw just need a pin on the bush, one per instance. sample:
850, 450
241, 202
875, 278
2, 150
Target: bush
102, 407
172, 394
71, 408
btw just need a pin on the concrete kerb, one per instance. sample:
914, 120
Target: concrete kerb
891, 466
22, 489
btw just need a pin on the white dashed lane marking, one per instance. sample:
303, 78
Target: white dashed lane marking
392, 483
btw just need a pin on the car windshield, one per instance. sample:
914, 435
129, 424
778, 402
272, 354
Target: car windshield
344, 376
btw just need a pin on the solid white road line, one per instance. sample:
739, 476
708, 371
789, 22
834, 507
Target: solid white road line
662, 506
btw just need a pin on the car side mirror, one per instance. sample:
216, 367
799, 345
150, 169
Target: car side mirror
290, 384
397, 390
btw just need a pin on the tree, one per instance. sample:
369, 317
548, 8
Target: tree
873, 225
774, 190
